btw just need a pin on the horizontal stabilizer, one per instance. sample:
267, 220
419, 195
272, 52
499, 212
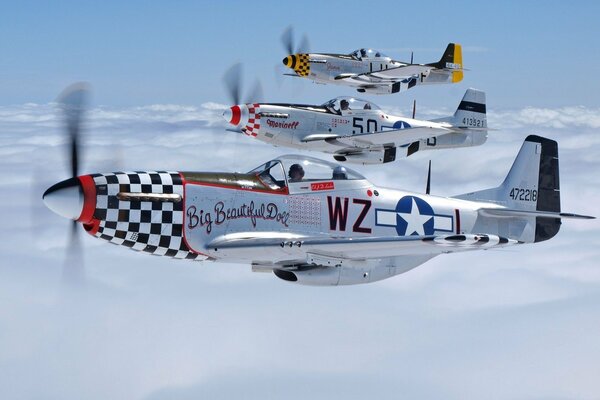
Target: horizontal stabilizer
509, 213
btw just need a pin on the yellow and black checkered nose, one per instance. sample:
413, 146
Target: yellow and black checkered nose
299, 63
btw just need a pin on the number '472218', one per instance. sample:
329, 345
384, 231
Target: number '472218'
523, 194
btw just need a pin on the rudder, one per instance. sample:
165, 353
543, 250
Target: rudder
532, 184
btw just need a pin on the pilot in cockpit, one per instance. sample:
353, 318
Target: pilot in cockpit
296, 173
344, 105
339, 172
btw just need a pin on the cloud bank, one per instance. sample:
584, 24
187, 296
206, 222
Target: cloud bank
517, 323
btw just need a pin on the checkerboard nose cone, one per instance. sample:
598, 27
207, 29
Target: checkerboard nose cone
287, 61
233, 115
65, 198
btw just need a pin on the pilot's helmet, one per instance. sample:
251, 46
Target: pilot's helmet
296, 172
340, 172
363, 52
367, 106
344, 104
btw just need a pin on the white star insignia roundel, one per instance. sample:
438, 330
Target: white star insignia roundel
413, 216
414, 220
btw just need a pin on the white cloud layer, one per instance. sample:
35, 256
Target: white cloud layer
519, 323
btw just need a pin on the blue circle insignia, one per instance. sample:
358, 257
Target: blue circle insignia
401, 125
423, 210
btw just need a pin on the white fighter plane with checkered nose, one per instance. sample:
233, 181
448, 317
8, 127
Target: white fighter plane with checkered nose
370, 71
311, 221
358, 131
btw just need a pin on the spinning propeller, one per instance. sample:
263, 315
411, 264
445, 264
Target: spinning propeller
292, 51
66, 198
287, 39
233, 83
238, 112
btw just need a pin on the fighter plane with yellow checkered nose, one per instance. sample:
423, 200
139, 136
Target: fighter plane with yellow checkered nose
371, 71
309, 221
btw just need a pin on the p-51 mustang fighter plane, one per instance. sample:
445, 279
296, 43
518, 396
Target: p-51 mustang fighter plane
371, 71
358, 131
309, 221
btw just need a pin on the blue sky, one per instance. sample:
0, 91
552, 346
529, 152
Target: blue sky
523, 53
518, 323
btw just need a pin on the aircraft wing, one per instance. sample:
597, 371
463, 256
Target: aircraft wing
389, 75
403, 72
295, 246
391, 138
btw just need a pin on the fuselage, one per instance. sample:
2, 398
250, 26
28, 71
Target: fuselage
326, 67
301, 126
311, 221
373, 72
350, 209
180, 214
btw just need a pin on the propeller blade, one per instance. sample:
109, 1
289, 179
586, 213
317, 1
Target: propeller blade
233, 82
428, 187
73, 268
414, 111
74, 154
256, 93
304, 46
287, 39
73, 101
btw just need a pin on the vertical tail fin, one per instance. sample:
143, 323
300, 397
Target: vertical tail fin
471, 112
532, 184
452, 60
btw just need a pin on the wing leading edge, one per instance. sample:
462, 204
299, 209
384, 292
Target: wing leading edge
357, 248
